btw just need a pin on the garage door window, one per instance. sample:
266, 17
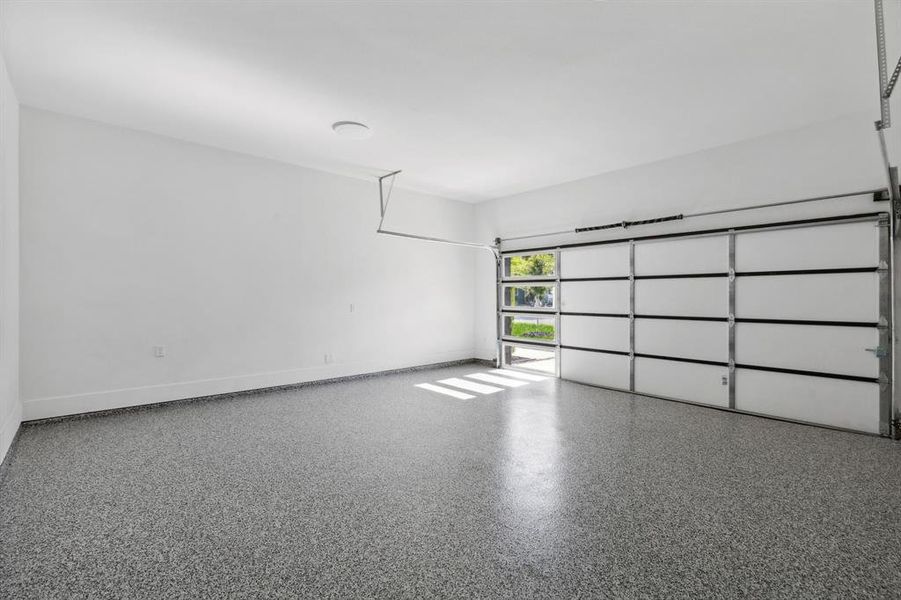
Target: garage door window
530, 266
536, 328
533, 297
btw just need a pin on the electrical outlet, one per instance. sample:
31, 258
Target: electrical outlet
725, 380
159, 351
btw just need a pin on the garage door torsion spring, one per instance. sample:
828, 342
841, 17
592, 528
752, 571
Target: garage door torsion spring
627, 224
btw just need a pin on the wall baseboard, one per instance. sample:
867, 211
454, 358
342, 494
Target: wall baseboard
8, 434
75, 405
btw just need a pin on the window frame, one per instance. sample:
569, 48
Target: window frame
508, 277
510, 337
552, 283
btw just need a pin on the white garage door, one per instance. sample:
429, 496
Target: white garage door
788, 320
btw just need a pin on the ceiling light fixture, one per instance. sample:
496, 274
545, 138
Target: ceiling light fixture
351, 130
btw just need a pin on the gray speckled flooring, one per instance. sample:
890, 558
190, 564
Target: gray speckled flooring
377, 489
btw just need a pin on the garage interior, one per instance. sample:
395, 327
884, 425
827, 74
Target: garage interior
449, 299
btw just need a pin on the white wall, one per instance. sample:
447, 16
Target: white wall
244, 268
827, 158
10, 406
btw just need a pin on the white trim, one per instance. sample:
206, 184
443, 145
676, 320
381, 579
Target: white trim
9, 429
56, 406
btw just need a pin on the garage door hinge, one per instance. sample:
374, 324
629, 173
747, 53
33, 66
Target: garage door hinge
731, 320
731, 274
883, 323
883, 266
884, 379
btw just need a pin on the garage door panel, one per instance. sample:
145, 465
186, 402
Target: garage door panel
823, 297
808, 348
600, 261
833, 402
694, 297
602, 333
681, 380
595, 368
703, 340
690, 255
595, 296
825, 247
677, 305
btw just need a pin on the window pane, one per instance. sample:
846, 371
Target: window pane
530, 265
530, 327
529, 296
536, 359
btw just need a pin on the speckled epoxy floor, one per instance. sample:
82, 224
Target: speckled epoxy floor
377, 489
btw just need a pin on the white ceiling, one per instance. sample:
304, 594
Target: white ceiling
473, 100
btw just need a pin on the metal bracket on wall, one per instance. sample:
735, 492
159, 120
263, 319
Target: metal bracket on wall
886, 85
882, 196
885, 91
